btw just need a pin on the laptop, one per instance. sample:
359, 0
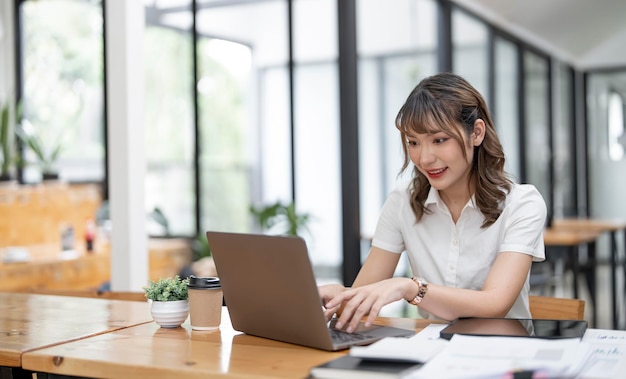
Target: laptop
271, 292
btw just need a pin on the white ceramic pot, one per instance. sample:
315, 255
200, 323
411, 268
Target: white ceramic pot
170, 314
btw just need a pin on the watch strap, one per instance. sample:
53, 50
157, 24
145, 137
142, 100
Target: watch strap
422, 288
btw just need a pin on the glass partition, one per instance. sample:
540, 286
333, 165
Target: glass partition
564, 143
617, 136
469, 50
63, 95
316, 132
169, 116
537, 128
606, 181
506, 110
241, 127
397, 48
232, 46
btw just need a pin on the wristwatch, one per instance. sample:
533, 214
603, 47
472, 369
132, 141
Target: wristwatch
422, 288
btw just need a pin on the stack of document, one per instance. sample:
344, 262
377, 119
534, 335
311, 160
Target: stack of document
388, 358
609, 351
601, 354
413, 349
482, 357
494, 357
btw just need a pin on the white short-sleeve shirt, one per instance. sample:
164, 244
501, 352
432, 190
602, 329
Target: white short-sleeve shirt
461, 255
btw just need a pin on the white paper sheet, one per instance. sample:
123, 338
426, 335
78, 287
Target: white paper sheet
609, 350
492, 357
412, 349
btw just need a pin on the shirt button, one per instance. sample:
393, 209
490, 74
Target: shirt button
451, 267
455, 242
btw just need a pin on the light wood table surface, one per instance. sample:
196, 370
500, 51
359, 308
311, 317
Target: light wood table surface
149, 351
29, 321
49, 269
563, 237
600, 225
611, 226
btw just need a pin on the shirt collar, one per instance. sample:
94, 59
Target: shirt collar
434, 198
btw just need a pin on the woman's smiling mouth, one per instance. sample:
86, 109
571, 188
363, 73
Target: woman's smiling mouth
436, 173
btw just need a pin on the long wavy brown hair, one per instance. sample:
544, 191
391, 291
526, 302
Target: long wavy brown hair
448, 103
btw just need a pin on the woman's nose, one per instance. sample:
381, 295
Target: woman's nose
426, 156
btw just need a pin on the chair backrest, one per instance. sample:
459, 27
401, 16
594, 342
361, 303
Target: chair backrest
545, 307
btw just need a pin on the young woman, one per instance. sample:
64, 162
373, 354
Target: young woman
470, 233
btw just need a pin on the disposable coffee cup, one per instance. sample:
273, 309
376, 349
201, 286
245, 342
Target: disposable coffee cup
205, 302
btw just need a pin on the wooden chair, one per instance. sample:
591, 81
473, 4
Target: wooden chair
545, 307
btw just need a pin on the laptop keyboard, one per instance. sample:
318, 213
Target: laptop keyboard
345, 337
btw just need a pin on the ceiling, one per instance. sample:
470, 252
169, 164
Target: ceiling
585, 33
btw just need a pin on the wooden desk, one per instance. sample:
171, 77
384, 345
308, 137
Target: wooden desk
573, 239
49, 270
149, 351
602, 226
29, 322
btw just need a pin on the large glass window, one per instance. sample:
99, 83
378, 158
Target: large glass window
169, 117
236, 128
506, 109
241, 125
469, 50
606, 181
564, 143
537, 128
62, 98
227, 122
617, 135
397, 48
316, 131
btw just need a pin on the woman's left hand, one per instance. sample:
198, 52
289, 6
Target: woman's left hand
369, 300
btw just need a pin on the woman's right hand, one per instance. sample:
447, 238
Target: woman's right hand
327, 293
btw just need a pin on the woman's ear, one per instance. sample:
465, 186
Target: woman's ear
479, 132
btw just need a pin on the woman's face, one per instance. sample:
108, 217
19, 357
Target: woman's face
441, 158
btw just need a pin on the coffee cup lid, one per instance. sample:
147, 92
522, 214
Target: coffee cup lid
204, 282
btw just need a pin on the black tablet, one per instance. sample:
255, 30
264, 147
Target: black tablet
513, 327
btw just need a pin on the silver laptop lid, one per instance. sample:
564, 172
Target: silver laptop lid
270, 291
269, 287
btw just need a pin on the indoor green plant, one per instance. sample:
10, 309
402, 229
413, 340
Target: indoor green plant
7, 152
275, 218
167, 289
279, 218
170, 300
46, 150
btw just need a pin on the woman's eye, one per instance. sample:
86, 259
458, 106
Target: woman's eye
412, 143
440, 140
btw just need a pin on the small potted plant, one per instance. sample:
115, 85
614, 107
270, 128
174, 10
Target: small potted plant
170, 301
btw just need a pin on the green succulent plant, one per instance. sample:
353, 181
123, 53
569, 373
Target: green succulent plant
167, 289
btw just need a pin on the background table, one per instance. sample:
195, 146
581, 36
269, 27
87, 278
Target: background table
29, 322
149, 351
602, 226
48, 269
572, 240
